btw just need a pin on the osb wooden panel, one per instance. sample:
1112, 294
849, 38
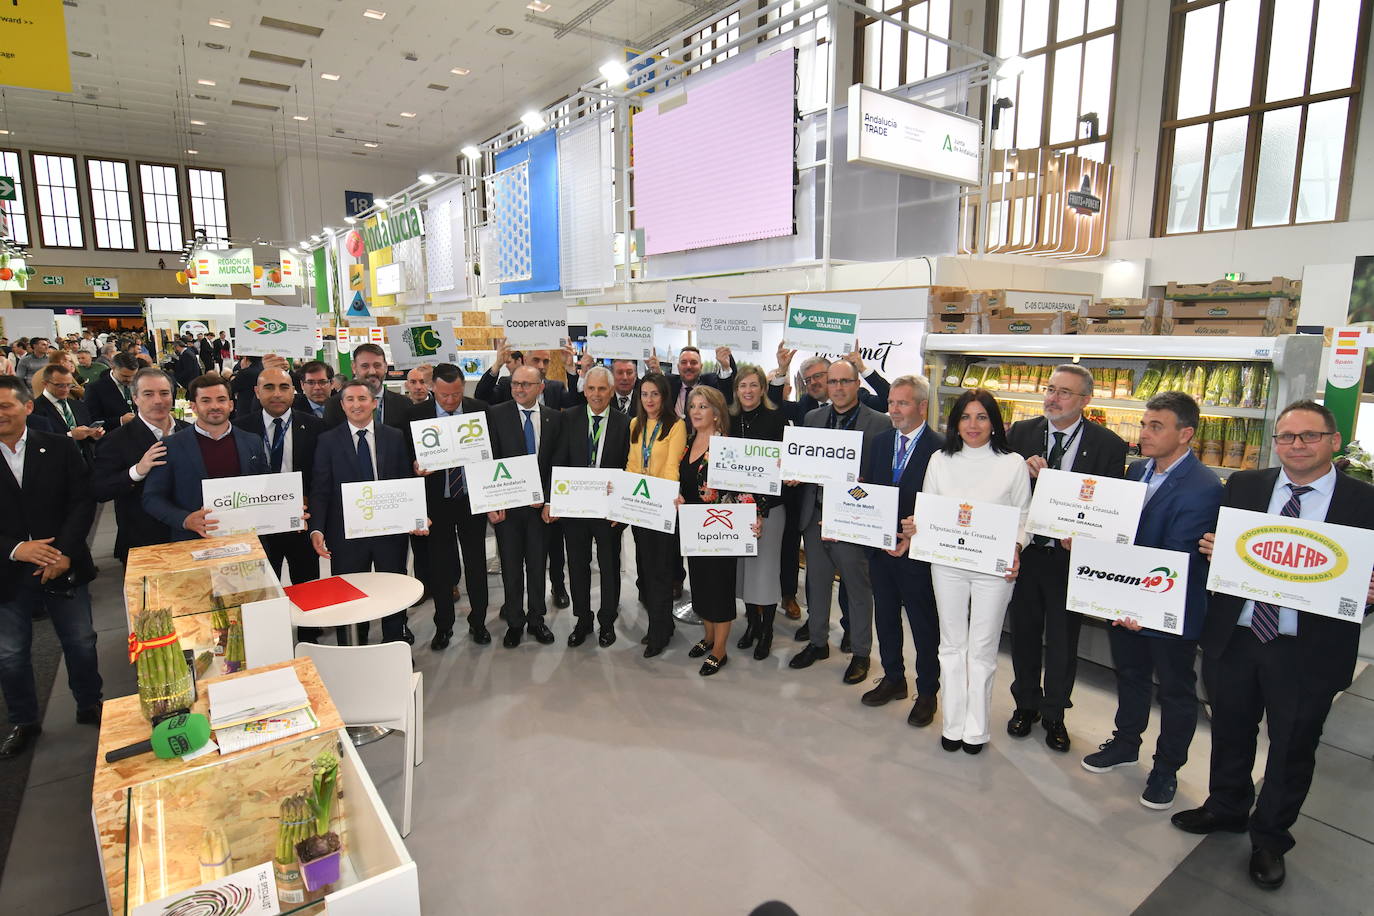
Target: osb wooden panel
158, 560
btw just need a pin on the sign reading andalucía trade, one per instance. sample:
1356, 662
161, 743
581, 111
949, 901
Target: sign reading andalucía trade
427, 343
281, 329
1291, 562
394, 226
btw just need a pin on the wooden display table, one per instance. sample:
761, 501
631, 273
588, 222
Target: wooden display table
161, 561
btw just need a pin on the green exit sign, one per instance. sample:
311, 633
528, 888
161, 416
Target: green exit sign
53, 281
1235, 276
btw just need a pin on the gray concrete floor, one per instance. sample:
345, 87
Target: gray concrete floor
595, 781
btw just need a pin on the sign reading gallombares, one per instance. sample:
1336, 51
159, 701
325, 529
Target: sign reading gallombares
256, 504
1291, 562
414, 345
281, 329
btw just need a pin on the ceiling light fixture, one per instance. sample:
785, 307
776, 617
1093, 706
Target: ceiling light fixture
427, 178
472, 152
460, 71
533, 120
197, 123
329, 76
371, 145
614, 72
4, 132
374, 14
300, 117
221, 23
82, 54
350, 219
205, 82
193, 152
381, 203
537, 7
407, 114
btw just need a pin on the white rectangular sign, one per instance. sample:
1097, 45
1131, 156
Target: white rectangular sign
285, 330
680, 305
255, 504
820, 324
1114, 581
199, 287
745, 465
965, 534
737, 325
643, 501
824, 456
450, 442
579, 492
1025, 302
724, 530
1069, 505
391, 280
251, 892
862, 514
505, 483
619, 335
422, 343
895, 133
1290, 562
536, 325
234, 265
379, 507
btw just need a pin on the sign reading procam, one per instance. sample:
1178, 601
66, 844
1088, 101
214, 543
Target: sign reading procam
898, 134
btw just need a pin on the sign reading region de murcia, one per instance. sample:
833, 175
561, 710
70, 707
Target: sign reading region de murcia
281, 329
723, 530
1291, 562
234, 265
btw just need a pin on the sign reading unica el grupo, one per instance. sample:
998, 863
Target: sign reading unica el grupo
899, 134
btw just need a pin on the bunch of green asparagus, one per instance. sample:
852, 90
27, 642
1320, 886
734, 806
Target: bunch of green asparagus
295, 827
164, 680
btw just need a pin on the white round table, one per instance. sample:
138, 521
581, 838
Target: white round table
384, 593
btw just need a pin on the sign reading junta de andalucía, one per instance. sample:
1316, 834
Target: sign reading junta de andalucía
281, 329
419, 344
505, 483
394, 226
821, 324
234, 265
1291, 562
450, 442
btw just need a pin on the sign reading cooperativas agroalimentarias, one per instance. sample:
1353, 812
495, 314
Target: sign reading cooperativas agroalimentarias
396, 226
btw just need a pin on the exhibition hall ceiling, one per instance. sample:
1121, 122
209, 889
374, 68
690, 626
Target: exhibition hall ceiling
144, 70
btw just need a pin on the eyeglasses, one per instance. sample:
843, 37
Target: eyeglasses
525, 384
1308, 437
842, 381
1054, 392
315, 381
815, 376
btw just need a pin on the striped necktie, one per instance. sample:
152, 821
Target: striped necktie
1264, 620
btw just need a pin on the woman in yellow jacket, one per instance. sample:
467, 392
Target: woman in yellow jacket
657, 441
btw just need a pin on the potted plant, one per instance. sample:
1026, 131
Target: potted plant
294, 827
320, 852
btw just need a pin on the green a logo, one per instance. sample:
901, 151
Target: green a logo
470, 431
501, 472
947, 146
362, 503
642, 489
430, 437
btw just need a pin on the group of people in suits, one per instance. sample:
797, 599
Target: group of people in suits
1259, 660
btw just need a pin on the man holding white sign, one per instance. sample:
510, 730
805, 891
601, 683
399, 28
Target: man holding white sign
1062, 440
1275, 662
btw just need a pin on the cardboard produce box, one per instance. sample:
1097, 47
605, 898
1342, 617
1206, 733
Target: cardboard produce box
1121, 308
1224, 327
946, 300
1032, 302
1119, 326
1275, 308
954, 324
1059, 323
1236, 289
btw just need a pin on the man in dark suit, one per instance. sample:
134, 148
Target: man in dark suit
596, 436
315, 377
457, 536
206, 352
1261, 660
128, 455
1062, 440
44, 565
814, 375
186, 362
245, 382
369, 366
625, 376
111, 396
689, 376
288, 437
824, 558
523, 426
495, 388
1182, 499
209, 448
64, 413
360, 449
899, 456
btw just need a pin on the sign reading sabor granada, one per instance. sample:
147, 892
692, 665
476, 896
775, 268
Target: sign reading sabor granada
1290, 562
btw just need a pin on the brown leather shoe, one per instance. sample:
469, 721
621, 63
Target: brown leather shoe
791, 608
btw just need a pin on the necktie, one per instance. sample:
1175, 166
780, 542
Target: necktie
1264, 620
592, 440
128, 400
365, 469
530, 448
454, 483
381, 408
621, 399
67, 414
899, 463
1056, 456
278, 444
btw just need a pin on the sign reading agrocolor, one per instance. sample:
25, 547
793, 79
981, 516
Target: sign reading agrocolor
895, 133
1290, 562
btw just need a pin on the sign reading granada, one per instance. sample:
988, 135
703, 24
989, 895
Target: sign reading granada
1309, 566
1291, 553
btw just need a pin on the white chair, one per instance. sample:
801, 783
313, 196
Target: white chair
376, 685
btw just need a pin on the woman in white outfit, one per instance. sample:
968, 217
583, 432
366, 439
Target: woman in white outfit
976, 463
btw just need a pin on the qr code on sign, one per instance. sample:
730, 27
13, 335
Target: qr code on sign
754, 345
1171, 621
295, 522
1001, 566
749, 549
850, 478
1348, 608
887, 540
420, 524
1123, 539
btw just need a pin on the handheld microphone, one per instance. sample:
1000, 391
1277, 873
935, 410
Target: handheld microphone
172, 737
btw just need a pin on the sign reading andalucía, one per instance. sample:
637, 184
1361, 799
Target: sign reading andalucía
1291, 562
394, 226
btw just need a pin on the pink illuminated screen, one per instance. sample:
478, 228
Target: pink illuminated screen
718, 168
